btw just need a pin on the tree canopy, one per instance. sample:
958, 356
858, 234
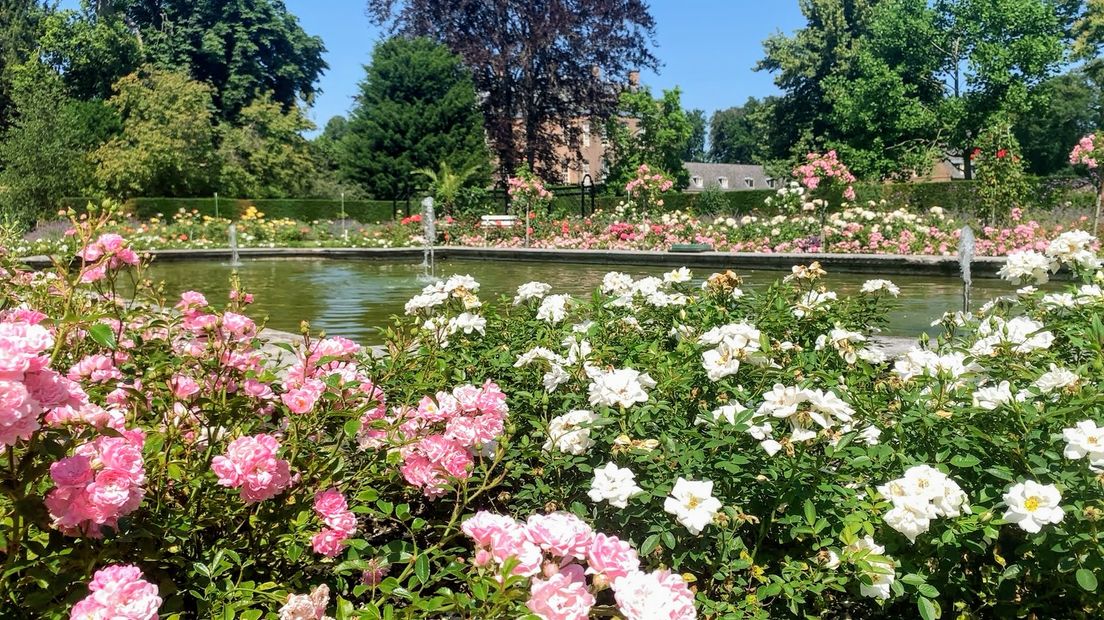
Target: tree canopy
649, 131
539, 66
244, 49
416, 110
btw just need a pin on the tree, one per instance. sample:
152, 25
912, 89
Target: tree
245, 49
90, 52
540, 67
43, 154
447, 184
265, 154
416, 109
19, 25
695, 146
1068, 107
649, 131
804, 62
743, 134
327, 145
1088, 28
167, 144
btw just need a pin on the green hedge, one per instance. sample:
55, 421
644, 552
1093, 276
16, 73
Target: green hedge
961, 196
366, 211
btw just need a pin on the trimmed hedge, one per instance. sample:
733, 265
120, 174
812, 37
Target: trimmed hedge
293, 208
956, 196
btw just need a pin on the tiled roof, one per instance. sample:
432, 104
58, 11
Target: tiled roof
735, 173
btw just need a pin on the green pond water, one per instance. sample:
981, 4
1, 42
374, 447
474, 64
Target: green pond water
352, 297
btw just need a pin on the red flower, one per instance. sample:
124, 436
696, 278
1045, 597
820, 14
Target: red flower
1001, 154
975, 153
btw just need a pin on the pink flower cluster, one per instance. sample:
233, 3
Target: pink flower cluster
527, 190
826, 168
647, 183
109, 251
558, 551
307, 606
118, 592
1084, 153
100, 483
30, 390
330, 364
438, 440
341, 523
250, 464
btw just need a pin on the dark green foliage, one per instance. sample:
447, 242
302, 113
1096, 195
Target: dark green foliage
658, 137
744, 134
90, 52
242, 48
43, 152
304, 209
1068, 107
695, 146
416, 109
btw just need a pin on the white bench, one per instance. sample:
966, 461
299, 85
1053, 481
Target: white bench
498, 221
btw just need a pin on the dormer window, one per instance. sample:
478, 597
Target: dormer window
697, 182
722, 182
771, 183
749, 183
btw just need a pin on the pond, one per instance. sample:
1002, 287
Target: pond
353, 297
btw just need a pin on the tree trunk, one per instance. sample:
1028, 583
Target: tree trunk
967, 164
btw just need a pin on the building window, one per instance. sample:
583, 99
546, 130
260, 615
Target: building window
697, 182
771, 183
586, 134
749, 183
722, 182
586, 167
566, 173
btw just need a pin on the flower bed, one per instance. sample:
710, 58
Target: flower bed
657, 450
803, 226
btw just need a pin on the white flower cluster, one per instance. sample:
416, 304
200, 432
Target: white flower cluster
1057, 378
991, 398
459, 287
1073, 248
620, 387
1085, 441
850, 346
531, 290
553, 309
693, 504
734, 343
922, 362
873, 286
805, 409
813, 302
882, 571
922, 494
570, 432
1032, 505
1020, 334
652, 290
613, 484
578, 348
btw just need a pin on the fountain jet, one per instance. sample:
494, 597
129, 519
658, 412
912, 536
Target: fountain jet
966, 245
234, 260
429, 226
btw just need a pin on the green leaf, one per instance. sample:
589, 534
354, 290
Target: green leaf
928, 590
102, 335
929, 610
421, 568
1086, 579
649, 545
965, 460
810, 512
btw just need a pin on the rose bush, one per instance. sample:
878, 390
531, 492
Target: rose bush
667, 447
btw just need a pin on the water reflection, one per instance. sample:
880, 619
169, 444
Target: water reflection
352, 297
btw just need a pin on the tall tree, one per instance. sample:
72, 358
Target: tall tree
743, 134
804, 62
416, 109
43, 154
695, 145
167, 145
19, 26
648, 131
244, 49
1069, 106
265, 154
539, 66
1087, 27
90, 50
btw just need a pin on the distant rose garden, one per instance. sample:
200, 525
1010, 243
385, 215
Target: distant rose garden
668, 447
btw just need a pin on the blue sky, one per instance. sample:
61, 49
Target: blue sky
707, 47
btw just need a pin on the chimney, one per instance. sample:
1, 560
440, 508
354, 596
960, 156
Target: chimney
634, 80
